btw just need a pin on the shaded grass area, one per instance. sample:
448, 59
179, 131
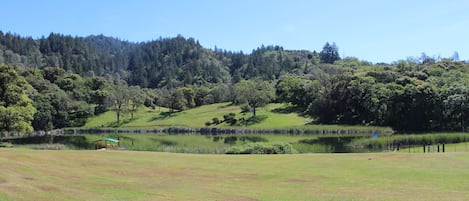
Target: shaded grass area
121, 175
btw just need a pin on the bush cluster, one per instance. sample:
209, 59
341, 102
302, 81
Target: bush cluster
263, 148
228, 118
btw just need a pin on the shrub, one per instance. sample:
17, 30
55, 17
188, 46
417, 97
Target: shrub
215, 120
230, 119
263, 148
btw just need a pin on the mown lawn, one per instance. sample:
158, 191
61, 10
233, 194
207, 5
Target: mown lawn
125, 175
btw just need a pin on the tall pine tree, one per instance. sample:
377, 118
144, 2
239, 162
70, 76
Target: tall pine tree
329, 53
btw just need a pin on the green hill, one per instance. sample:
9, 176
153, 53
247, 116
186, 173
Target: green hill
270, 117
197, 117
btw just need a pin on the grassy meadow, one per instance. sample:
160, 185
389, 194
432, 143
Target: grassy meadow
123, 175
274, 117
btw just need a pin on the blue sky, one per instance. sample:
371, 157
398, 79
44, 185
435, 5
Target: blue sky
372, 30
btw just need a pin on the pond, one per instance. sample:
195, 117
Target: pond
210, 144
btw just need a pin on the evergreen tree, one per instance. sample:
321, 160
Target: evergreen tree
329, 53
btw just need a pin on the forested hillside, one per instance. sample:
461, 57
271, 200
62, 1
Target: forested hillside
162, 63
70, 79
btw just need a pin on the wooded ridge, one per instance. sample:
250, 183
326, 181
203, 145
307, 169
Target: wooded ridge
59, 81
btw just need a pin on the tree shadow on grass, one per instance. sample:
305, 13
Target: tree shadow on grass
227, 105
164, 115
287, 110
291, 109
115, 124
252, 120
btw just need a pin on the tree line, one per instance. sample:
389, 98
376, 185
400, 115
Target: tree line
66, 80
409, 97
161, 63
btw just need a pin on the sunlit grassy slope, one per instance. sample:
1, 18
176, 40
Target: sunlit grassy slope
123, 175
196, 118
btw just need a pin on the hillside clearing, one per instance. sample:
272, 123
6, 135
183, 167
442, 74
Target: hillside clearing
197, 117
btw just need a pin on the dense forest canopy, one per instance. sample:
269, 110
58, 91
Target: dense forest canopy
69, 79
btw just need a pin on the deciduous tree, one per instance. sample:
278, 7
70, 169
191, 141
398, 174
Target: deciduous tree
137, 98
119, 97
256, 93
16, 108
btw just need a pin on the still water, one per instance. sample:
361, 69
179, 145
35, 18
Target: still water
208, 144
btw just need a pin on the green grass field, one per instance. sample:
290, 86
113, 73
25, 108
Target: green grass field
196, 118
123, 175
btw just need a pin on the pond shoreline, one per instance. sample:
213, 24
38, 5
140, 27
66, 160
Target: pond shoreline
216, 131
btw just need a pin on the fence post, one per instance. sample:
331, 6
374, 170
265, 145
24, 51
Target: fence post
443, 147
423, 148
